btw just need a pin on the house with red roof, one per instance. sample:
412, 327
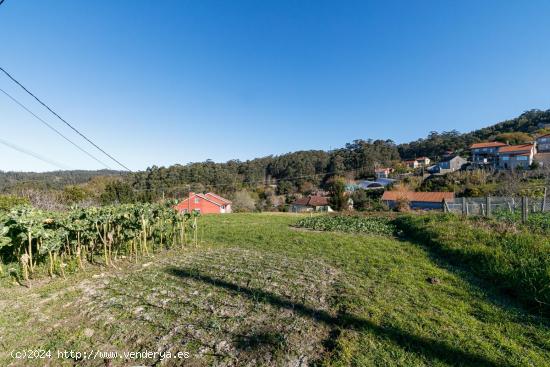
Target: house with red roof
423, 161
311, 203
383, 172
516, 156
208, 203
418, 200
411, 163
486, 154
417, 162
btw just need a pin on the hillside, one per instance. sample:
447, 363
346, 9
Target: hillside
296, 171
49, 180
435, 144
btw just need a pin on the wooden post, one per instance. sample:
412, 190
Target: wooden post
464, 208
488, 206
544, 200
445, 208
524, 209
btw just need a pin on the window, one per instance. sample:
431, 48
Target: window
522, 158
196, 199
505, 158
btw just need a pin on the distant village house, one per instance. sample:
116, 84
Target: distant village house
423, 161
543, 143
418, 200
516, 156
412, 163
383, 172
312, 203
417, 162
208, 203
448, 164
486, 154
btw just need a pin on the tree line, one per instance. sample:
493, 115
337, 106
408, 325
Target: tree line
285, 174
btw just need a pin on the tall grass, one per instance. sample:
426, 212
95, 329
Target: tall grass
538, 222
514, 258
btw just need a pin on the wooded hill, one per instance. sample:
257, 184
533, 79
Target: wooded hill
436, 144
53, 180
300, 170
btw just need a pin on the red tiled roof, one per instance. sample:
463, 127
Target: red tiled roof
516, 148
431, 197
218, 198
213, 198
544, 136
489, 144
312, 201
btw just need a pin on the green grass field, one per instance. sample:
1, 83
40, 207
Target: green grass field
258, 291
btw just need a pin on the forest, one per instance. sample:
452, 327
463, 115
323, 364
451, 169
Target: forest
301, 171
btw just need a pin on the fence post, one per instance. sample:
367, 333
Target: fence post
524, 209
488, 205
445, 208
544, 200
464, 210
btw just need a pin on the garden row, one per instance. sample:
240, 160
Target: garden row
348, 223
65, 240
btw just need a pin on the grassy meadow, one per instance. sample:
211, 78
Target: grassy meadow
258, 290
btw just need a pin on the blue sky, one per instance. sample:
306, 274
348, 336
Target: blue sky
164, 82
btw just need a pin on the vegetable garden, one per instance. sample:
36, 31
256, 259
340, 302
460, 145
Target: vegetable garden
348, 223
61, 242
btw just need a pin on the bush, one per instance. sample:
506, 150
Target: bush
243, 202
516, 260
8, 201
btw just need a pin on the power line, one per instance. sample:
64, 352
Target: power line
64, 121
33, 154
54, 129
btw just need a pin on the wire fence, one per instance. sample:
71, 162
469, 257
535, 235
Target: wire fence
486, 206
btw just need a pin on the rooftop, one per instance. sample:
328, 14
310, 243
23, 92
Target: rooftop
488, 144
430, 197
312, 201
522, 148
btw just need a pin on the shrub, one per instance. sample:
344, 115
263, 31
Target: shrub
8, 201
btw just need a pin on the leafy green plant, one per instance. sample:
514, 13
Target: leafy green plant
32, 237
348, 223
